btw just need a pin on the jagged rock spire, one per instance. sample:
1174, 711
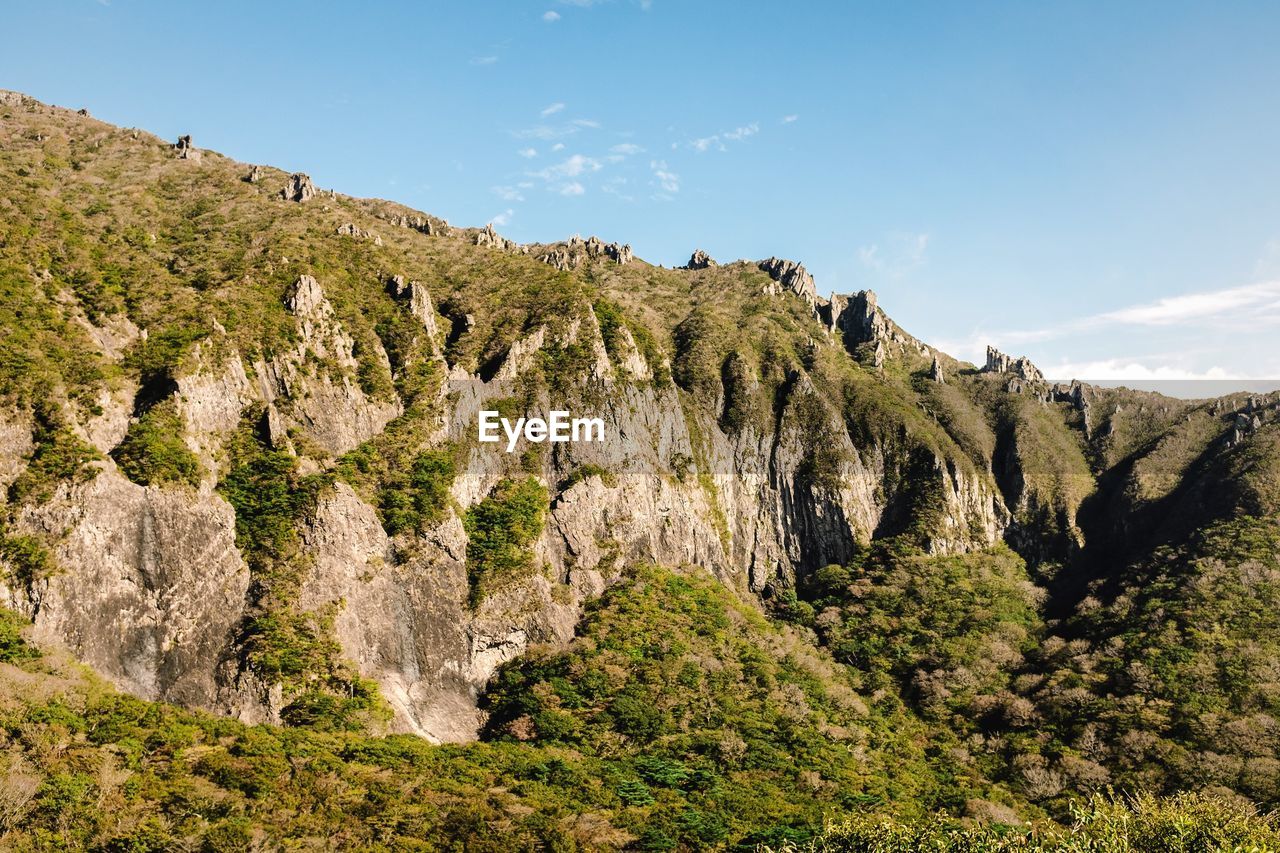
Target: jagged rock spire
700, 260
998, 362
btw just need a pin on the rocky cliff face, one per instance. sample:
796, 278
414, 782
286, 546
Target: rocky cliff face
761, 450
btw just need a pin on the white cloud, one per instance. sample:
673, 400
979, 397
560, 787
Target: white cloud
503, 218
626, 149
549, 132
571, 167
790, 118
508, 193
573, 188
718, 140
559, 146
1131, 369
550, 16
1262, 298
484, 60
615, 186
1243, 315
553, 109
903, 253
669, 181
528, 153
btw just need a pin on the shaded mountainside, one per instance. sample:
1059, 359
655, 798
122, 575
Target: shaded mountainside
238, 447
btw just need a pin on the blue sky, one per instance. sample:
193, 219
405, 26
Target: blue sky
1096, 185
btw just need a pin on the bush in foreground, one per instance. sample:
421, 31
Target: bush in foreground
1185, 823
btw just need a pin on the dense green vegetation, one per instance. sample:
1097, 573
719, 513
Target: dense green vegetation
1182, 824
500, 530
1127, 637
153, 450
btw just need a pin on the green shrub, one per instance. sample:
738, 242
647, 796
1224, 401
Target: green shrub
153, 450
27, 557
13, 648
1186, 823
500, 530
60, 456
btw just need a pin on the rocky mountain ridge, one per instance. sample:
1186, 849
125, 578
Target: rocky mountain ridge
319, 523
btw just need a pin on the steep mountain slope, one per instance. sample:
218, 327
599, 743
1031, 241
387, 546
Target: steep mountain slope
238, 439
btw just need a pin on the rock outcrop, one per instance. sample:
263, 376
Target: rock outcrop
421, 224
328, 403
185, 150
254, 175
299, 188
486, 236
699, 260
350, 230
574, 252
792, 277
998, 362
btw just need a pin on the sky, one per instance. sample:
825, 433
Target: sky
1093, 184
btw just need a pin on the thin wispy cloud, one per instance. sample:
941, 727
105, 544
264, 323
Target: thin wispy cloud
1131, 369
503, 218
484, 60
1256, 303
667, 181
789, 119
571, 167
548, 132
553, 109
550, 16
900, 255
1242, 312
573, 188
717, 140
626, 149
528, 153
508, 193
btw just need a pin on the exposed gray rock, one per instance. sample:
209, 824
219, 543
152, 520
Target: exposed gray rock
421, 224
326, 402
1245, 425
699, 260
299, 188
488, 237
11, 99
16, 444
575, 251
255, 175
350, 230
415, 296
793, 277
998, 362
162, 562
186, 151
935, 372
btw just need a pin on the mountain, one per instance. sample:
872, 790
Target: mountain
816, 567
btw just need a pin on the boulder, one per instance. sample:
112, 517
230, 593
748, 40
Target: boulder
350, 230
186, 151
298, 189
700, 260
998, 362
255, 175
792, 276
